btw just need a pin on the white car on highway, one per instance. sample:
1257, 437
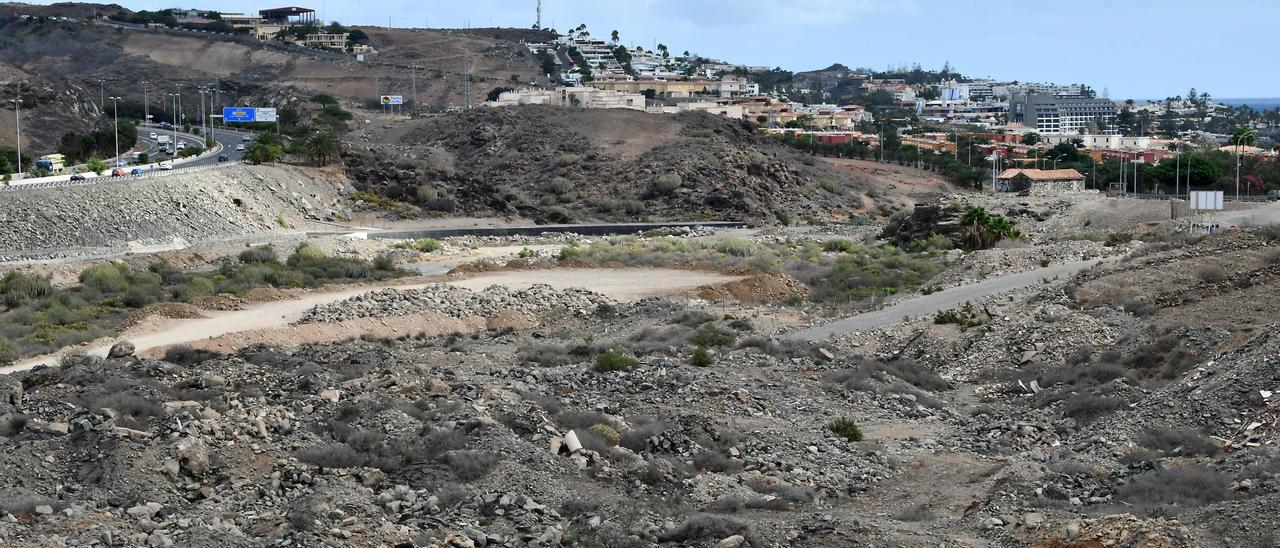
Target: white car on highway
165, 166
182, 145
152, 135
239, 147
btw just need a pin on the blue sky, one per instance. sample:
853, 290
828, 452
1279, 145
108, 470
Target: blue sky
1138, 49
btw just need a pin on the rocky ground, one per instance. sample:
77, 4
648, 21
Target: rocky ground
1067, 414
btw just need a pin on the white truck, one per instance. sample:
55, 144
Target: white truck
163, 142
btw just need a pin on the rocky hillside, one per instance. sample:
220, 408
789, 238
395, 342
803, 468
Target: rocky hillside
80, 61
559, 165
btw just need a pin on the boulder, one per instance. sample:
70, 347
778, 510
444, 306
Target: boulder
122, 349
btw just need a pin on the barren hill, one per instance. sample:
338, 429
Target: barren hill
556, 164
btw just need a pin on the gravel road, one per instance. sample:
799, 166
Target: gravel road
620, 284
950, 298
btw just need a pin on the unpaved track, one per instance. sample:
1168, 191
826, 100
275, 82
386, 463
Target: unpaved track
950, 298
620, 284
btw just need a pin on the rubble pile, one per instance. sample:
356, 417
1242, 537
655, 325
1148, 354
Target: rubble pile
458, 303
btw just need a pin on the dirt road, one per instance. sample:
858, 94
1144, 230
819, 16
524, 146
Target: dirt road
950, 298
620, 284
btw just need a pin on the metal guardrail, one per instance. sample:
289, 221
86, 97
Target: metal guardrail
1225, 197
97, 180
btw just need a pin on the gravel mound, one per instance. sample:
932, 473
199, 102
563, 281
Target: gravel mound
457, 302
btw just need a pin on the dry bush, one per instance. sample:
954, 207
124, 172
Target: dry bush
715, 461
914, 513
642, 428
471, 465
187, 356
1185, 441
1171, 491
782, 490
332, 455
705, 527
130, 404
553, 355
1211, 273
861, 371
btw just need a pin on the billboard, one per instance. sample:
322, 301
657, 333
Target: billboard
1206, 199
392, 99
238, 114
264, 115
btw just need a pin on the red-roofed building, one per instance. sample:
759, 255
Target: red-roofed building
1040, 181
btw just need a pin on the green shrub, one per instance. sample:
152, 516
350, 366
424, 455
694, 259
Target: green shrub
422, 245
260, 254
1118, 238
736, 247
193, 289
935, 242
710, 335
701, 357
783, 217
8, 350
831, 186
606, 432
846, 429
667, 183
559, 186
305, 252
838, 245
427, 193
17, 288
384, 262
107, 279
565, 160
613, 360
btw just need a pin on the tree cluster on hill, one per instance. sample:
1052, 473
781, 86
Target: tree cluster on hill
78, 147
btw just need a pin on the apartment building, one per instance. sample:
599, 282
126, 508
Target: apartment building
1059, 115
575, 96
327, 40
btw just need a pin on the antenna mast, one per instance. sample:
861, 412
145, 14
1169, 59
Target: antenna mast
537, 24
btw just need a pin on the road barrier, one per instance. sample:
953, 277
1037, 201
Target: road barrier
97, 180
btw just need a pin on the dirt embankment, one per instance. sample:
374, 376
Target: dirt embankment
172, 210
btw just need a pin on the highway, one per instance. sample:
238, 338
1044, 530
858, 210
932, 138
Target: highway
229, 139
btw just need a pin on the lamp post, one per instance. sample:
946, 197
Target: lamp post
115, 112
17, 116
1239, 140
1056, 158
174, 144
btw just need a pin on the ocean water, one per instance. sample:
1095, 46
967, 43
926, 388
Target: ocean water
1268, 103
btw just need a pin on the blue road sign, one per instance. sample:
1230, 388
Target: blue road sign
238, 114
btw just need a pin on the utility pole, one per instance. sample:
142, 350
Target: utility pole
17, 116
537, 23
115, 111
102, 90
174, 144
414, 80
146, 112
182, 117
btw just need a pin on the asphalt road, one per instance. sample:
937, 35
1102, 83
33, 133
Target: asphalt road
228, 139
925, 305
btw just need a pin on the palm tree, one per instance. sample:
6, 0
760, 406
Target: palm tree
982, 230
323, 146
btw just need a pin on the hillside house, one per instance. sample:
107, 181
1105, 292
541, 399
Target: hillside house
1040, 181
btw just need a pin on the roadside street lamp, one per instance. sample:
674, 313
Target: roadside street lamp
115, 112
17, 116
174, 144
1239, 140
1056, 158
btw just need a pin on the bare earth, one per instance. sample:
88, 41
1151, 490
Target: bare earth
271, 322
